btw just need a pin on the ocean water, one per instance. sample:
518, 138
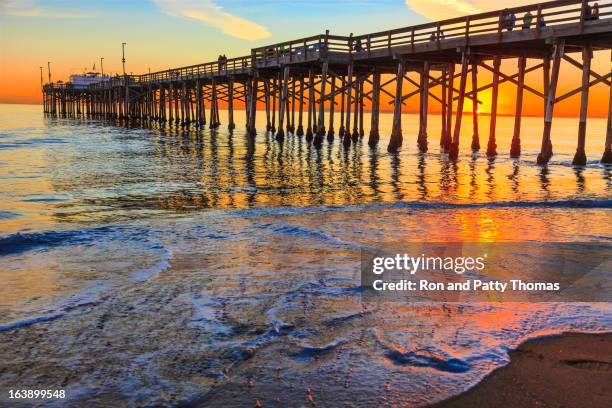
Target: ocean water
157, 265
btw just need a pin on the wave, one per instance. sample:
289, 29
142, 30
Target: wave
22, 242
416, 205
421, 358
30, 142
27, 322
415, 359
286, 229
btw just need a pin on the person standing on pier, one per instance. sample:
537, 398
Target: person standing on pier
527, 19
595, 12
358, 46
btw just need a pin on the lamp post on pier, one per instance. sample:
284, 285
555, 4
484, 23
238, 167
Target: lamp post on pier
102, 65
123, 56
126, 99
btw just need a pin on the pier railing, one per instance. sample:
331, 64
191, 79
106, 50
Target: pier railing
208, 69
219, 67
538, 17
300, 50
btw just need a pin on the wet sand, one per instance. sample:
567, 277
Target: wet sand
569, 370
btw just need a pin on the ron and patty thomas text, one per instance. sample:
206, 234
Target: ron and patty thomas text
458, 265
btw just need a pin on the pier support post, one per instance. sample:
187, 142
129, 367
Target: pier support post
230, 104
126, 101
321, 119
361, 93
267, 100
246, 95
288, 108
546, 149
293, 99
492, 143
444, 81
212, 103
349, 88
607, 155
214, 120
453, 152
251, 128
396, 133
176, 105
355, 135
274, 97
203, 102
515, 148
422, 138
170, 103
186, 104
449, 108
309, 126
162, 103
300, 128
280, 135
291, 123
342, 99
475, 133
374, 133
580, 156
181, 101
330, 130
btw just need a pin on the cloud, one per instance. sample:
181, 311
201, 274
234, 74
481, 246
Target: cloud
213, 15
29, 8
443, 9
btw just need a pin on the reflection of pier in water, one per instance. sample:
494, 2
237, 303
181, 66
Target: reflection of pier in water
184, 170
331, 74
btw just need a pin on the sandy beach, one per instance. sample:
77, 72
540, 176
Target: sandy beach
569, 370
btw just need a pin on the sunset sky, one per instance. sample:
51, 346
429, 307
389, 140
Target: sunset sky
160, 34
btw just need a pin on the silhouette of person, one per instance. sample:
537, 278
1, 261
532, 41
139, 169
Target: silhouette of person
358, 46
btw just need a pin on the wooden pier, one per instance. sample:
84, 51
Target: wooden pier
326, 76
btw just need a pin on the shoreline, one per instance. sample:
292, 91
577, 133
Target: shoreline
565, 370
